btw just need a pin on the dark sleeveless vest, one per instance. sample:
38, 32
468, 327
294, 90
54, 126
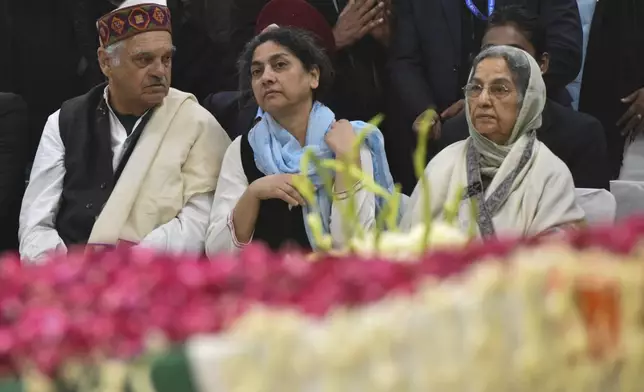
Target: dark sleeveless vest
276, 225
89, 176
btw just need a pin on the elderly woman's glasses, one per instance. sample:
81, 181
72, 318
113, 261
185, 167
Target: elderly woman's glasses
497, 90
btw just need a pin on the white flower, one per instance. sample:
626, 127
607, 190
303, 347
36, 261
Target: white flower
409, 245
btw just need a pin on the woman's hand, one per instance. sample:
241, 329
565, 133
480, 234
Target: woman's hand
340, 138
277, 186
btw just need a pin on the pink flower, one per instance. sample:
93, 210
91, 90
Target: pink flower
198, 316
47, 359
42, 324
7, 342
192, 275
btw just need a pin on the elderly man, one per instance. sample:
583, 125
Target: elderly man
133, 162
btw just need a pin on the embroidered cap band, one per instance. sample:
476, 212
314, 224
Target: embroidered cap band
124, 23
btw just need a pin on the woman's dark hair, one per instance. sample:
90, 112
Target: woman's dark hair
523, 20
302, 45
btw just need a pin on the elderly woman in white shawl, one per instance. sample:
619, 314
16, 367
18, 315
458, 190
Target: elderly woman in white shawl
517, 184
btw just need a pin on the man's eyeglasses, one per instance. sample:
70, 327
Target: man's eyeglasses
497, 90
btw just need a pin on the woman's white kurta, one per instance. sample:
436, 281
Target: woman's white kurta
232, 184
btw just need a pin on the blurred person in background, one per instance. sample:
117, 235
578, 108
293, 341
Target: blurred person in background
40, 31
14, 154
586, 12
433, 44
613, 82
576, 138
197, 65
6, 44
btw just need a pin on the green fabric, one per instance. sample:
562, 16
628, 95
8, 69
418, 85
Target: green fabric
171, 373
10, 385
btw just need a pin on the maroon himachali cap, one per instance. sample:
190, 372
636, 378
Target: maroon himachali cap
131, 18
298, 14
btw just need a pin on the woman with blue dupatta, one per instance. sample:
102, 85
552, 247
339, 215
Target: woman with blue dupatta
256, 199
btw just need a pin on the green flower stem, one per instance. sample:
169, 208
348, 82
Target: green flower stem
452, 207
322, 241
394, 202
388, 217
352, 174
305, 186
350, 214
325, 174
325, 168
302, 182
420, 161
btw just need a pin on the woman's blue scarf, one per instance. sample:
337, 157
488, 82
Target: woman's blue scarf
278, 152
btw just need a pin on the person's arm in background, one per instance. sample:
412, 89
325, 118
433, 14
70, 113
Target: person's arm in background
243, 17
84, 15
405, 66
6, 47
564, 42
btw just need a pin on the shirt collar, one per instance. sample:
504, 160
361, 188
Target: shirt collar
107, 102
259, 114
106, 97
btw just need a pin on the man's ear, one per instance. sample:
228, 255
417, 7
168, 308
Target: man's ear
544, 62
105, 62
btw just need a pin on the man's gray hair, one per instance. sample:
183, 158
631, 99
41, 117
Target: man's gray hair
517, 61
113, 52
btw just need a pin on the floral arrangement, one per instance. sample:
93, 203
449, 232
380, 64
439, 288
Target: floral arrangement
88, 320
533, 315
